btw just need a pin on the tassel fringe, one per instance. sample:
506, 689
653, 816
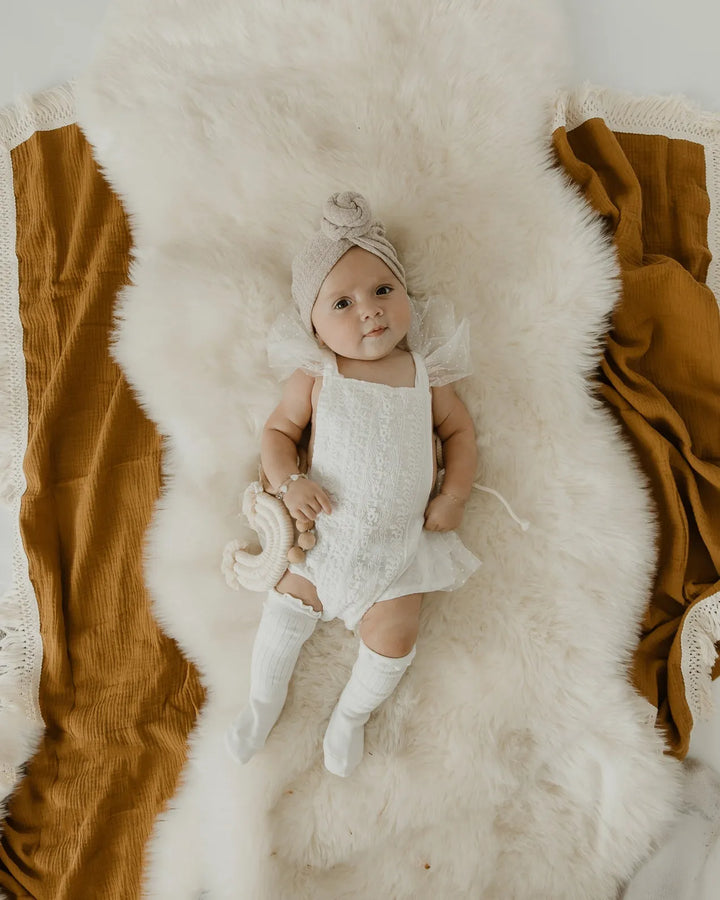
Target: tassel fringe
700, 634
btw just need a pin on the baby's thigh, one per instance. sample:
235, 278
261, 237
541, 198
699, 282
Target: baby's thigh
299, 587
390, 627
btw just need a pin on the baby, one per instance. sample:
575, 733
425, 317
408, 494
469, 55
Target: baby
382, 541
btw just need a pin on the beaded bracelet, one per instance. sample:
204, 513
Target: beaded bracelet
453, 497
286, 484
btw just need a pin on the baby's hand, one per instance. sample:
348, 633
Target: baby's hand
443, 513
305, 500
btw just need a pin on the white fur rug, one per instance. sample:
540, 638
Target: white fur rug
514, 760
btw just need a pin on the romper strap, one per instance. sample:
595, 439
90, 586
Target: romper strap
421, 375
330, 365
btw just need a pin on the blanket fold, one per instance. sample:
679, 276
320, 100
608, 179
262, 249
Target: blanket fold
116, 697
649, 169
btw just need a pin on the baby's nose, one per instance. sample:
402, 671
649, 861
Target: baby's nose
371, 308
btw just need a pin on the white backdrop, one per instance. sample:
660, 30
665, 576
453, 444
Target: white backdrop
641, 46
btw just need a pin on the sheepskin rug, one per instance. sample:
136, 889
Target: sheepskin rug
514, 760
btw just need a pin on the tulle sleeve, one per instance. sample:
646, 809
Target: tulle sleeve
444, 345
290, 347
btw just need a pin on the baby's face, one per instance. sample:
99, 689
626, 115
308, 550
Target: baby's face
361, 294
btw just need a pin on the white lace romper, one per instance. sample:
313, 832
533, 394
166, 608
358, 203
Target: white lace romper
373, 453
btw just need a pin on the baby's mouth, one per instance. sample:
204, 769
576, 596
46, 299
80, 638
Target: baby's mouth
377, 332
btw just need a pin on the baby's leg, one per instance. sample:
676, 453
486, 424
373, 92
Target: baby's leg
285, 625
391, 627
301, 588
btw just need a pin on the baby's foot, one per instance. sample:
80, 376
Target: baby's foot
344, 743
251, 728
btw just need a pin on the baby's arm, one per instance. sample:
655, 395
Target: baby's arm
456, 431
280, 437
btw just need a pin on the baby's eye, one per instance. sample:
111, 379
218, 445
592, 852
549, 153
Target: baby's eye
385, 287
341, 300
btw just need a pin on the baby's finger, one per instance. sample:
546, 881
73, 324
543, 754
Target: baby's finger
324, 501
295, 512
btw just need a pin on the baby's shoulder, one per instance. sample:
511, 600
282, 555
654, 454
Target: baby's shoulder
317, 385
306, 383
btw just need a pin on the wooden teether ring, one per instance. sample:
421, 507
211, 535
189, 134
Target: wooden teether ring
295, 555
306, 540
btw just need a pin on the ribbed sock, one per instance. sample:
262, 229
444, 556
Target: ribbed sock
373, 679
285, 625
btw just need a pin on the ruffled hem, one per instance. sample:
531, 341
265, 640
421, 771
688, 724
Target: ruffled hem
443, 345
441, 563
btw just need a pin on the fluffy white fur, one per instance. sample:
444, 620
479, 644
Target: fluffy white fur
514, 760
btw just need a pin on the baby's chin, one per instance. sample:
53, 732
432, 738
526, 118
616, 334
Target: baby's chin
370, 353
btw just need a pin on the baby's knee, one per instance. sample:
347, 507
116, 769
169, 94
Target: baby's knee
393, 640
390, 627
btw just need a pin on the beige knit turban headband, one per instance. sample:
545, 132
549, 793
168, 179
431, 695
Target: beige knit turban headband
347, 222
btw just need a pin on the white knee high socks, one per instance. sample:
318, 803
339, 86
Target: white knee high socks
373, 679
285, 625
